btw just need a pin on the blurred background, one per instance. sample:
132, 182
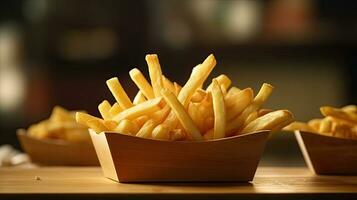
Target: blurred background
56, 52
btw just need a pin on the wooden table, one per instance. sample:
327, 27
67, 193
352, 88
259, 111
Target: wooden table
79, 182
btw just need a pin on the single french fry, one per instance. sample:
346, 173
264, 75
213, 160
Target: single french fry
140, 121
127, 127
181, 114
83, 118
338, 113
251, 117
223, 81
177, 135
264, 111
119, 93
159, 116
111, 125
168, 84
141, 82
59, 114
269, 121
219, 111
104, 109
144, 108
325, 126
301, 126
241, 99
209, 123
197, 78
236, 124
155, 73
161, 132
177, 88
115, 110
139, 98
230, 98
198, 96
350, 109
315, 123
193, 111
96, 125
208, 135
146, 130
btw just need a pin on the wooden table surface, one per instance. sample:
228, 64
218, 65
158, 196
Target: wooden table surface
76, 182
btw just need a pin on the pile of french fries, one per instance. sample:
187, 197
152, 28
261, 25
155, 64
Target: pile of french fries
165, 110
61, 125
337, 122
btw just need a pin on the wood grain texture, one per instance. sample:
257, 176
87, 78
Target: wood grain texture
52, 152
328, 155
89, 180
145, 160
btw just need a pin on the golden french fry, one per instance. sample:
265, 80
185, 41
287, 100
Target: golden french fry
341, 130
236, 124
209, 123
159, 116
264, 111
219, 111
208, 135
223, 81
250, 118
241, 100
193, 111
115, 110
197, 78
350, 109
140, 121
127, 127
111, 125
181, 114
155, 73
59, 114
119, 93
83, 118
139, 98
230, 96
315, 123
301, 126
338, 113
161, 132
96, 125
144, 108
269, 121
325, 126
141, 82
146, 130
198, 96
177, 88
177, 135
168, 84
104, 109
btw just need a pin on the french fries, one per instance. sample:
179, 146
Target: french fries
61, 125
155, 73
338, 122
164, 110
219, 111
142, 83
279, 118
119, 93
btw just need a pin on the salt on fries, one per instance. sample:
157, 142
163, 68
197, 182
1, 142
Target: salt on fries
163, 109
338, 122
